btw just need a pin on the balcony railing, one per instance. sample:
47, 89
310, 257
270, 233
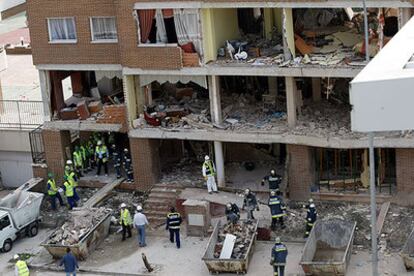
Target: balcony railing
21, 114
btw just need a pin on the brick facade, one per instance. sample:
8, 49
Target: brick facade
301, 172
146, 162
125, 52
404, 159
83, 52
55, 143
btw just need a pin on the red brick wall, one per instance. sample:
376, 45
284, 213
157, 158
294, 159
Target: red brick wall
301, 172
83, 52
405, 170
146, 162
55, 142
125, 52
114, 114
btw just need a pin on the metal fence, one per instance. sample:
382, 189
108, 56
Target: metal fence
36, 145
21, 114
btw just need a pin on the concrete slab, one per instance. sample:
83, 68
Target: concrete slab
390, 140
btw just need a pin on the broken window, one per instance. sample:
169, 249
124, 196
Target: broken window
62, 29
104, 29
171, 26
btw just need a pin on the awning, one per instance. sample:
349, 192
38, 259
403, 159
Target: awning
107, 74
147, 79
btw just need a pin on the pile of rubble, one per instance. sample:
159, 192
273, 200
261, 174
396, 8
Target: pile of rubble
186, 172
244, 231
114, 200
324, 119
79, 223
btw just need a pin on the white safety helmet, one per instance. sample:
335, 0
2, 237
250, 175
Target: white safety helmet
123, 205
139, 208
247, 191
99, 143
228, 205
125, 150
278, 240
272, 193
16, 257
69, 162
272, 172
206, 157
312, 205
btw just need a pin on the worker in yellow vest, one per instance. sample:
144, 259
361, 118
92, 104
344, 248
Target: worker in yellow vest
125, 220
69, 193
72, 178
209, 173
53, 191
20, 268
102, 155
78, 160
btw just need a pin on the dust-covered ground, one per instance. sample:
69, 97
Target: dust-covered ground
113, 200
398, 223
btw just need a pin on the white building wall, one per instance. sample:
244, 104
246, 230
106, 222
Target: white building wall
7, 4
15, 168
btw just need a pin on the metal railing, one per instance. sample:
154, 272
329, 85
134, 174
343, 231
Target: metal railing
37, 146
21, 114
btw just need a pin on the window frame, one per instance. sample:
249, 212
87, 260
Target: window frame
62, 41
93, 40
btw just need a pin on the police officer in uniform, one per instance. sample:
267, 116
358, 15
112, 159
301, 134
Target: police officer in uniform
116, 158
311, 216
274, 181
250, 202
277, 209
128, 166
232, 212
278, 257
173, 225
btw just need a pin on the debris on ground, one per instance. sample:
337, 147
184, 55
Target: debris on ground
57, 217
244, 232
79, 223
394, 232
115, 198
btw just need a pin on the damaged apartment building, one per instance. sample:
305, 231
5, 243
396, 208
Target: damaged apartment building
257, 85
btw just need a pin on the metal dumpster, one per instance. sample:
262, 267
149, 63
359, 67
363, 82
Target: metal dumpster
87, 244
407, 253
216, 265
328, 248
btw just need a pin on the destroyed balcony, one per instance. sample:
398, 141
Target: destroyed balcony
91, 100
169, 38
313, 40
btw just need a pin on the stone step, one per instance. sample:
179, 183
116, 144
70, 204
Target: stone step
158, 207
160, 201
164, 190
169, 186
156, 213
162, 195
156, 220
